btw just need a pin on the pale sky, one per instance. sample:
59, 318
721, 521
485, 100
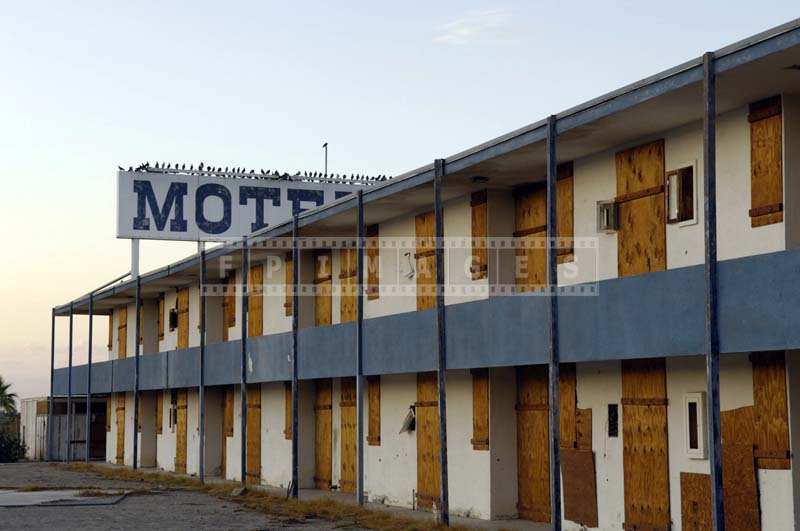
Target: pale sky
86, 86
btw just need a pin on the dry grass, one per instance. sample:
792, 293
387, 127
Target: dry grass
258, 500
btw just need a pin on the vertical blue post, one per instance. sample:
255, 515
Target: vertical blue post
360, 352
295, 490
202, 421
554, 358
712, 332
89, 381
52, 378
245, 273
69, 387
137, 350
441, 326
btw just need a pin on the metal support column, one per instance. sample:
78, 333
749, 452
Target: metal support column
137, 350
295, 490
243, 395
89, 381
52, 377
202, 421
69, 388
712, 333
441, 327
360, 353
554, 358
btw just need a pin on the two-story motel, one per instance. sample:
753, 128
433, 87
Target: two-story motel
634, 446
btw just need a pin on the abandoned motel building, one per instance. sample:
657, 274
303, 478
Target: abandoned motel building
630, 311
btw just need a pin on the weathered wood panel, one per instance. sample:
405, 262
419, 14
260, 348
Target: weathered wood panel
183, 318
427, 428
565, 213
480, 409
229, 305
480, 263
120, 402
255, 301
122, 332
160, 316
771, 410
530, 226
323, 423
641, 238
159, 412
695, 502
568, 398
425, 257
287, 410
374, 410
323, 282
766, 162
584, 428
288, 271
580, 486
533, 454
253, 434
645, 451
373, 262
349, 430
181, 431
347, 283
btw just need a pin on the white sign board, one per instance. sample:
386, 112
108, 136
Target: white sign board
164, 206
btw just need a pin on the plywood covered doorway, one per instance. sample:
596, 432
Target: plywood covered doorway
642, 235
533, 453
427, 428
254, 434
645, 456
323, 282
119, 398
323, 428
348, 430
183, 318
425, 260
181, 430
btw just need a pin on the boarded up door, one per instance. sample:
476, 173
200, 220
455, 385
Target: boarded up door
645, 457
181, 431
425, 261
530, 226
255, 301
254, 434
533, 453
323, 423
642, 237
183, 318
427, 427
347, 281
347, 481
323, 284
227, 427
120, 400
122, 332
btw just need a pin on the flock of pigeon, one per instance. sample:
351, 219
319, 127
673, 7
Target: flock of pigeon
202, 169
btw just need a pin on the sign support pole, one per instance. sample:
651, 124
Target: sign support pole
295, 490
89, 381
243, 395
69, 388
202, 421
52, 378
360, 352
136, 372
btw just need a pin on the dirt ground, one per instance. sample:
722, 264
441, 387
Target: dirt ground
156, 509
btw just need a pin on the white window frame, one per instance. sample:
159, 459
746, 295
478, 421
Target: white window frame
695, 177
701, 451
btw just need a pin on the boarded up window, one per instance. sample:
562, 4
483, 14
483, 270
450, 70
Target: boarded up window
122, 332
480, 409
288, 283
183, 318
348, 264
287, 410
227, 420
110, 331
374, 405
771, 413
565, 214
348, 435
160, 320
766, 162
480, 264
253, 446
373, 263
642, 235
159, 412
425, 261
255, 301
323, 432
229, 305
530, 226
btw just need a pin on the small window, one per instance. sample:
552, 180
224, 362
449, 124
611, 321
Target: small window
613, 420
173, 410
694, 408
173, 319
680, 195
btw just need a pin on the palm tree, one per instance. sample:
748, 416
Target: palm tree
7, 398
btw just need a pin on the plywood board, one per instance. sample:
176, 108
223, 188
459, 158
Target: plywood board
427, 428
122, 332
568, 399
584, 428
181, 431
373, 262
740, 488
374, 410
766, 164
288, 270
580, 486
183, 318
530, 227
287, 410
255, 301
695, 502
533, 454
323, 282
159, 412
771, 410
425, 260
645, 447
480, 263
253, 449
641, 238
120, 401
323, 427
480, 409
348, 430
347, 282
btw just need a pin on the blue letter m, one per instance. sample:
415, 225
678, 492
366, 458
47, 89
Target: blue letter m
175, 195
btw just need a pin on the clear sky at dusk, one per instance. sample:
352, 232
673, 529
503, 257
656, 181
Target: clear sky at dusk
86, 86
